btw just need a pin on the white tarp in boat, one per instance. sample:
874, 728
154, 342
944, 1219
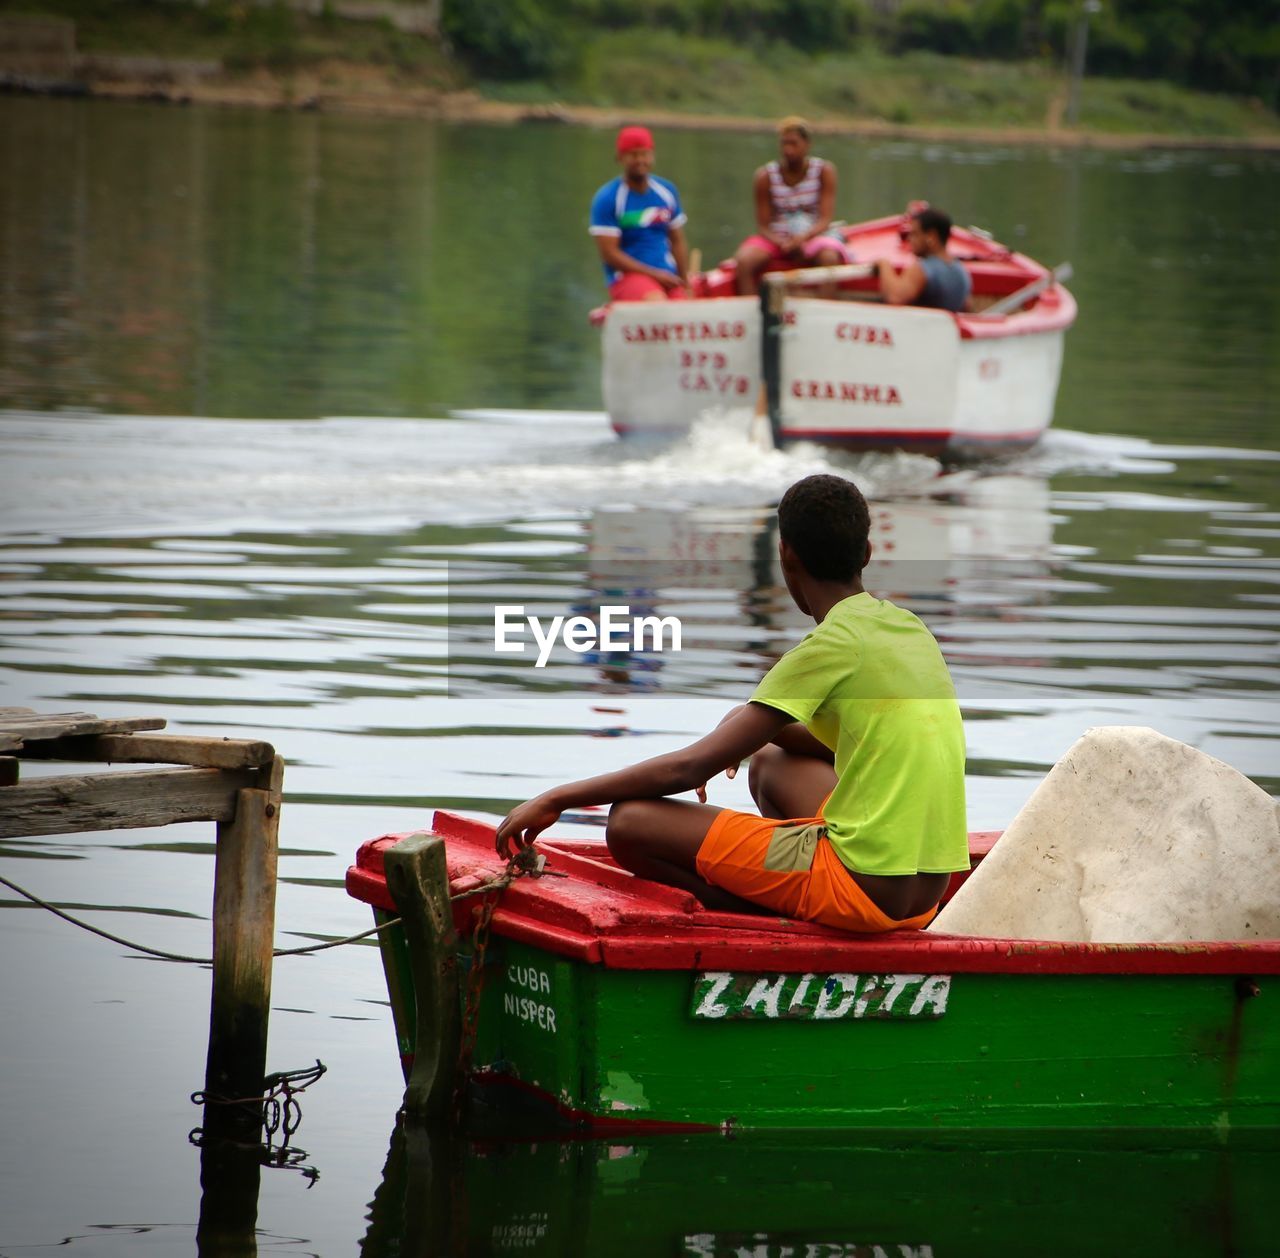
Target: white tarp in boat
1131, 837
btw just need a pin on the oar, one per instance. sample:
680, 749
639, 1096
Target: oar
813, 275
1019, 298
695, 265
760, 433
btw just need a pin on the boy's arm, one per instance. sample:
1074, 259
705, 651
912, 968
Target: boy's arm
797, 739
745, 731
793, 737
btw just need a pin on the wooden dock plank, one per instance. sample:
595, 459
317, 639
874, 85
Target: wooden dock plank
203, 753
124, 800
19, 727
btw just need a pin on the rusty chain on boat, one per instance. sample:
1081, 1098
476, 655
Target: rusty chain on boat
526, 862
471, 1006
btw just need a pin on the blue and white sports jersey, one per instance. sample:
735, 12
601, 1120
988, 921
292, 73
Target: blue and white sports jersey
641, 219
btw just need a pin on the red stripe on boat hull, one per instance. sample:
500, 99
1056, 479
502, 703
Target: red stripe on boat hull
927, 441
579, 1121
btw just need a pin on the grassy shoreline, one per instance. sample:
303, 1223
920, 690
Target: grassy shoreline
284, 60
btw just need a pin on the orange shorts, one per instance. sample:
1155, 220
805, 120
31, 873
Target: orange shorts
791, 867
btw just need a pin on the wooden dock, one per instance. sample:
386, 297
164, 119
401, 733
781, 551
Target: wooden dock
235, 783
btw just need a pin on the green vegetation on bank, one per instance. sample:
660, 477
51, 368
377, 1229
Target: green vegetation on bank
695, 75
1213, 45
928, 63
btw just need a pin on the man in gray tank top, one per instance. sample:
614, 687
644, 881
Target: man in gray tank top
931, 278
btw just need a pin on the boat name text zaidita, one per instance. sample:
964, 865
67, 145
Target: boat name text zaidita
823, 997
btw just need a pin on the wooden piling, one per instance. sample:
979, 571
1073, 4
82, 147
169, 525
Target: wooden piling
418, 880
244, 906
772, 306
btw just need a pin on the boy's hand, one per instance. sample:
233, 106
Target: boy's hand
701, 791
732, 770
522, 825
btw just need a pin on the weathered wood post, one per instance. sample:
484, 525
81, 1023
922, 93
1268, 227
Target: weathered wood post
418, 880
773, 301
244, 907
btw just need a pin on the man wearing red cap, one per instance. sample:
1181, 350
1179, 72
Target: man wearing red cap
638, 226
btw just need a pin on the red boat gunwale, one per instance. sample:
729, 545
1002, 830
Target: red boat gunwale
995, 270
600, 914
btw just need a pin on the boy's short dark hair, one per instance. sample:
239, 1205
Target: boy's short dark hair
932, 220
825, 520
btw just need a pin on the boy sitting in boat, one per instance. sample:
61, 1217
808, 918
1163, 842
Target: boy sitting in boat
933, 278
795, 200
857, 758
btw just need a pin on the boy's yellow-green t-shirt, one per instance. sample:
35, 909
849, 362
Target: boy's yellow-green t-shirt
870, 683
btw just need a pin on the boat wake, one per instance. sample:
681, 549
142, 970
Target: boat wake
726, 459
140, 472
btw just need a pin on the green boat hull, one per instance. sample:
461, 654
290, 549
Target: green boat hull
587, 1047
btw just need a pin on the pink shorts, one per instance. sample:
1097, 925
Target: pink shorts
811, 247
632, 286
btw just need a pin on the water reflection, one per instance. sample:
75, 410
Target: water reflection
1146, 595
814, 1194
230, 1178
982, 550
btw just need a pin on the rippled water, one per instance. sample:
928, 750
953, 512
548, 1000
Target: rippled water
324, 582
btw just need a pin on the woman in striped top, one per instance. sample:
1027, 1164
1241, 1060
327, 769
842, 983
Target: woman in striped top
795, 202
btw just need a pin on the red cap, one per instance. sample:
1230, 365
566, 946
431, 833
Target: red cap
633, 138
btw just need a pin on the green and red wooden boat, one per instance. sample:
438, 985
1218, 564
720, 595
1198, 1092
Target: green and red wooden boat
613, 1004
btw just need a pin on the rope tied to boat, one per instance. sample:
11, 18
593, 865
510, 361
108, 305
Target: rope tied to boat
525, 862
